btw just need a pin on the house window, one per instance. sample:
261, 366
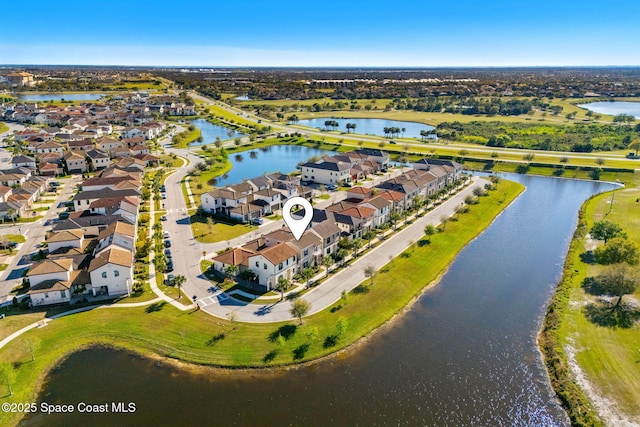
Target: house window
46, 295
328, 251
257, 264
280, 266
306, 252
104, 274
265, 266
116, 273
328, 240
63, 294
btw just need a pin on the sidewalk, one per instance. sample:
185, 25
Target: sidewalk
347, 278
152, 267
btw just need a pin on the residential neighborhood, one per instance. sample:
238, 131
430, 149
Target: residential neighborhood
265, 260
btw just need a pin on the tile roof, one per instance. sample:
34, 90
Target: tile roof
112, 255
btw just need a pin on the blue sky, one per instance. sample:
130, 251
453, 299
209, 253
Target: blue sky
323, 33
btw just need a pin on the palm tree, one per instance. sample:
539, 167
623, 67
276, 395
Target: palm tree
356, 244
179, 280
635, 145
394, 217
327, 262
282, 285
306, 275
342, 254
370, 234
231, 270
353, 127
403, 131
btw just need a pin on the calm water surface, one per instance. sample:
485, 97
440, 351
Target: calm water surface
464, 355
210, 132
371, 126
614, 108
60, 96
282, 158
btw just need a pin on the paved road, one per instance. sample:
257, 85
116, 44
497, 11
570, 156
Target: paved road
35, 233
330, 291
453, 147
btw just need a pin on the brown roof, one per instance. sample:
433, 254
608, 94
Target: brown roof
65, 236
50, 266
118, 227
121, 257
278, 253
360, 190
358, 212
49, 286
235, 256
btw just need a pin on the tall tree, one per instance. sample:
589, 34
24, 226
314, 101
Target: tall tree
327, 262
430, 230
618, 280
282, 285
618, 250
179, 281
605, 230
306, 275
300, 308
370, 271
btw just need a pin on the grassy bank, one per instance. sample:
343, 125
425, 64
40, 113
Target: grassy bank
607, 356
195, 337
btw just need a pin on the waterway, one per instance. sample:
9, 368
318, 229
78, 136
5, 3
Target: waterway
274, 158
211, 132
614, 108
464, 354
61, 96
371, 126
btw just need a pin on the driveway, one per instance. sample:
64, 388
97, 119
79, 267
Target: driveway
35, 233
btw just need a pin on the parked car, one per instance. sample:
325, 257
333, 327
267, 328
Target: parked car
167, 234
392, 142
331, 187
163, 218
163, 188
170, 278
54, 184
167, 243
167, 252
257, 221
63, 215
164, 195
169, 266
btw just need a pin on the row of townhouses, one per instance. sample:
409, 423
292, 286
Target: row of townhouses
92, 251
278, 254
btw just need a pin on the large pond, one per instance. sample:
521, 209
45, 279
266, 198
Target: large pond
371, 126
614, 108
275, 158
210, 132
61, 96
465, 354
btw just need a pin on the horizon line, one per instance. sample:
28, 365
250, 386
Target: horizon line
328, 66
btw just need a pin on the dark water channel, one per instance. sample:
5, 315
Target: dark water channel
464, 355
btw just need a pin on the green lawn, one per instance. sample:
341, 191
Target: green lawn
18, 238
3, 127
608, 356
195, 337
220, 232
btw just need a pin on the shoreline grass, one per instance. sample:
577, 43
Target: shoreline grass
198, 338
606, 356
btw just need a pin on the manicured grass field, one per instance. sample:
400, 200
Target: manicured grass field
220, 231
160, 329
3, 127
609, 356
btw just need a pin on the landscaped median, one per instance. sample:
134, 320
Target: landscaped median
196, 337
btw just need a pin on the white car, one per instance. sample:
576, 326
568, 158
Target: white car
166, 234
